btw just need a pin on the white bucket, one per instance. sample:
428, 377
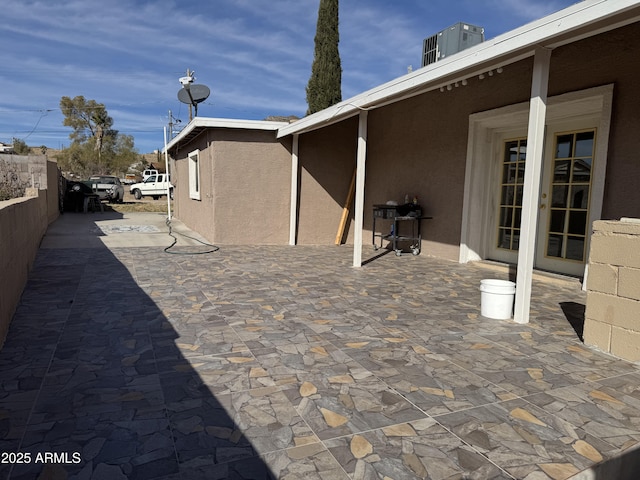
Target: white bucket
496, 298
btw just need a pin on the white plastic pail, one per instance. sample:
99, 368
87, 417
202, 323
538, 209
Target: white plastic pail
496, 298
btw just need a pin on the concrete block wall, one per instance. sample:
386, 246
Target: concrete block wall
612, 318
33, 169
23, 222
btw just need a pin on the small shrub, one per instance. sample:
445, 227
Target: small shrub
11, 185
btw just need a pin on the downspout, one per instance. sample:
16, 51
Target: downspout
293, 203
361, 157
532, 179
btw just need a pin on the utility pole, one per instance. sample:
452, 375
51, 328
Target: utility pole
171, 124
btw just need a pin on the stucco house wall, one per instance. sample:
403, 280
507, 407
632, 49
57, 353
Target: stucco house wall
245, 186
418, 146
609, 58
327, 161
197, 215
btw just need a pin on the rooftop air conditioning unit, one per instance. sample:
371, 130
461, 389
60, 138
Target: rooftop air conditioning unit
449, 41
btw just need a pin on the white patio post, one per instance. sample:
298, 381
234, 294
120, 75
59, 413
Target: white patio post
531, 190
166, 169
358, 214
293, 205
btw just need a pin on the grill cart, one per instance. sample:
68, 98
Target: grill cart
409, 213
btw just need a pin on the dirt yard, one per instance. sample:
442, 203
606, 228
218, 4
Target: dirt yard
145, 204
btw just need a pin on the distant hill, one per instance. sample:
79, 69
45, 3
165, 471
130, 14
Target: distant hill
153, 160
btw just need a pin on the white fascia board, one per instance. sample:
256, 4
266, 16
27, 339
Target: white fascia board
209, 122
499, 51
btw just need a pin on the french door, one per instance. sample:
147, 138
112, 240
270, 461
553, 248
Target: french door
564, 204
563, 221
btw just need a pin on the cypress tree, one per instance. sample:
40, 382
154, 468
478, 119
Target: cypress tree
324, 87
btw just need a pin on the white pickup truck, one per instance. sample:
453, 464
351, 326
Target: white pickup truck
154, 186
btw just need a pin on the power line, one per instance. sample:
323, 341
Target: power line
42, 115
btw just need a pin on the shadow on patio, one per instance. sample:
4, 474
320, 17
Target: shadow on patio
94, 384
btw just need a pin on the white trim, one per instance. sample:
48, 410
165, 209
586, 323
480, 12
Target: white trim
293, 203
485, 126
361, 159
600, 168
531, 188
195, 181
208, 122
561, 28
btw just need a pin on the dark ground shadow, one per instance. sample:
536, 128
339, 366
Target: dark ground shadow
574, 312
93, 385
623, 467
379, 253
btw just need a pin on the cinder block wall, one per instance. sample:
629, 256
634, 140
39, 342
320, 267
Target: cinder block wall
23, 222
612, 319
32, 169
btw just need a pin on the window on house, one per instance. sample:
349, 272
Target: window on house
194, 175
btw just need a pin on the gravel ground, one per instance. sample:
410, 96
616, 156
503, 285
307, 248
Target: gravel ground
145, 204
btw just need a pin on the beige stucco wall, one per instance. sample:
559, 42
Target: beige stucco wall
245, 184
612, 318
609, 58
418, 146
23, 222
327, 161
415, 147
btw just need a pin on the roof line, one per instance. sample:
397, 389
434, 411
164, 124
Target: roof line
504, 49
198, 124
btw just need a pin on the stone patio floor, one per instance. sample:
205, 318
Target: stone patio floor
251, 362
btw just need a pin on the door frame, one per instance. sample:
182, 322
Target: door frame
479, 209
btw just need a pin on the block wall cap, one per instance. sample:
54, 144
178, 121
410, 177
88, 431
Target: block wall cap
624, 227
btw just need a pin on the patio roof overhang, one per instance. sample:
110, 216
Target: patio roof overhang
582, 20
535, 40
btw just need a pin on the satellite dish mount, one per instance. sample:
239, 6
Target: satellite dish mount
192, 94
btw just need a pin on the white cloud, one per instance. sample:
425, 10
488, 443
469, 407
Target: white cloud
255, 55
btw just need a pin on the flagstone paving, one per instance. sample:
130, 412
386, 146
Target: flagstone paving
286, 362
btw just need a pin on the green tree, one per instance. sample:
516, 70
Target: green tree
324, 87
88, 119
20, 147
96, 148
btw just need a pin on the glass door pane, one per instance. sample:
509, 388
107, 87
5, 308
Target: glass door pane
510, 208
570, 188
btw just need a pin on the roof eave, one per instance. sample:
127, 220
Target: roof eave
199, 124
549, 32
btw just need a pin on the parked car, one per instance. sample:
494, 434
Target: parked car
107, 187
154, 186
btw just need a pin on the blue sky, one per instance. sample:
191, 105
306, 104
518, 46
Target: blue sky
254, 55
